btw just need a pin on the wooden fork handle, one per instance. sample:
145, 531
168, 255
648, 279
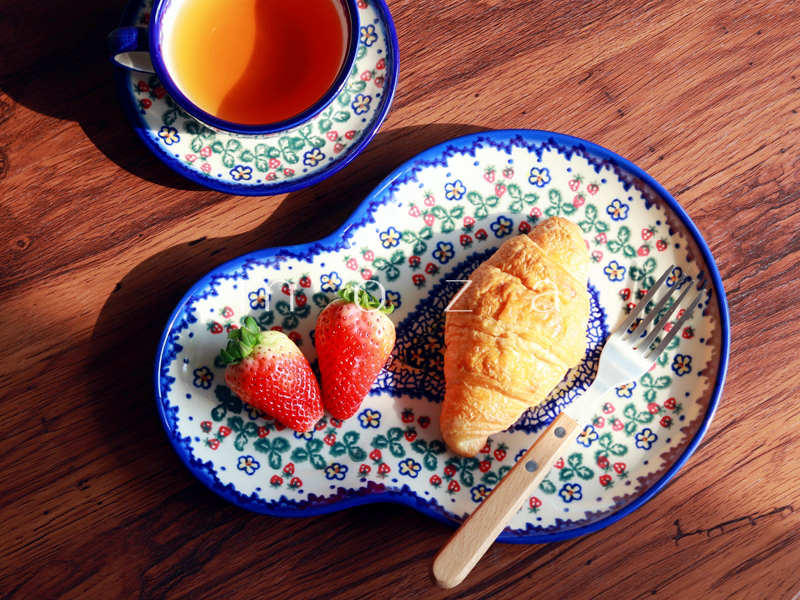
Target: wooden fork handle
470, 542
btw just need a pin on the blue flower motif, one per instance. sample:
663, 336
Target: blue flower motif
241, 173
253, 412
203, 377
479, 492
390, 238
520, 454
335, 471
313, 157
368, 35
248, 464
369, 418
502, 227
330, 282
169, 135
682, 364
626, 390
409, 467
360, 103
444, 252
303, 435
645, 438
258, 299
615, 271
571, 492
617, 210
676, 274
539, 177
587, 436
454, 190
393, 298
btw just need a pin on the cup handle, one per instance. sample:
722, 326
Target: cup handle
128, 47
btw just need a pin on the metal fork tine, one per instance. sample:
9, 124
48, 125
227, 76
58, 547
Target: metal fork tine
657, 329
643, 302
677, 327
641, 328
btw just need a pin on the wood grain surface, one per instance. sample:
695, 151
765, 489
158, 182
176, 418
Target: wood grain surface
99, 240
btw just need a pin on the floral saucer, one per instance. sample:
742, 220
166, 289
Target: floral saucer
436, 219
262, 167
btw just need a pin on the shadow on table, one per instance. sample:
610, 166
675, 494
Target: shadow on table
128, 329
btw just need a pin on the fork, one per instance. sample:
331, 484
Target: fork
627, 355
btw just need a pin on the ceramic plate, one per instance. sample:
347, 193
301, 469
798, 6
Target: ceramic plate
283, 163
435, 219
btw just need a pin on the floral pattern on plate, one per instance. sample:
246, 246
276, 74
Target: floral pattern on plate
434, 220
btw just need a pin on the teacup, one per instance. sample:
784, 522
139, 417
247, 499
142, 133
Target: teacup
276, 70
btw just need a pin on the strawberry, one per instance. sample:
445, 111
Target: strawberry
466, 241
379, 81
619, 468
424, 422
274, 163
289, 469
500, 453
592, 188
559, 464
368, 255
643, 250
601, 238
332, 136
276, 481
350, 134
602, 461
454, 487
288, 172
489, 174
431, 269
579, 200
625, 294
597, 255
213, 444
351, 264
364, 469
330, 439
354, 338
484, 466
366, 76
608, 408
414, 211
206, 426
647, 233
481, 234
301, 300
229, 326
267, 370
296, 337
214, 327
226, 312
407, 416
338, 147
468, 223
499, 190
688, 333
322, 424
605, 480
653, 408
599, 422
670, 403
524, 227
575, 183
536, 212
376, 455
534, 503
666, 421
224, 431
287, 288
381, 64
429, 199
508, 173
366, 274
295, 483
661, 245
450, 470
383, 469
436, 481
428, 218
618, 425
419, 280
305, 281
410, 434
413, 262
262, 432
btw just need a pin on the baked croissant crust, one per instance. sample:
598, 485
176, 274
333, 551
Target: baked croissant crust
526, 327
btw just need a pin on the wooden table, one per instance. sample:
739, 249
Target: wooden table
100, 240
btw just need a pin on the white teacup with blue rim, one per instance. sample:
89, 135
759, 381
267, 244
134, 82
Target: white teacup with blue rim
253, 68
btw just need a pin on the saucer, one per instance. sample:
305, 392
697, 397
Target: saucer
430, 223
285, 162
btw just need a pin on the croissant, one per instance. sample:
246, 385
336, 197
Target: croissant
523, 326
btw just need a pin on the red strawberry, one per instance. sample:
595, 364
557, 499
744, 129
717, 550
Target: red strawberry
599, 422
500, 453
643, 250
666, 421
670, 403
214, 327
410, 434
296, 482
276, 481
619, 468
647, 233
321, 424
499, 190
146, 103
466, 241
653, 408
608, 408
486, 448
330, 439
353, 343
429, 199
661, 245
381, 64
450, 470
534, 503
379, 81
224, 431
143, 87
366, 274
592, 188
575, 183
424, 422
688, 333
601, 238
289, 172
597, 256
301, 300
263, 432
618, 425
454, 487
350, 134
431, 269
270, 176
407, 416
305, 282
414, 211
419, 280
336, 422
489, 174
383, 469
206, 426
338, 147
579, 200
536, 212
213, 444
625, 294
267, 370
289, 469
468, 223
279, 426
296, 337
484, 466
524, 227
508, 173
229, 326
364, 469
602, 461
376, 455
559, 464
680, 313
605, 480
287, 288
429, 219
332, 136
413, 262
481, 234
368, 255
351, 264
436, 481
366, 76
274, 163
160, 92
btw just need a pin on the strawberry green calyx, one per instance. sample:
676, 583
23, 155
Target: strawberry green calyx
241, 342
364, 300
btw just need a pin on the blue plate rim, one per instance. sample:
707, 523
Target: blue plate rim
340, 236
132, 115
